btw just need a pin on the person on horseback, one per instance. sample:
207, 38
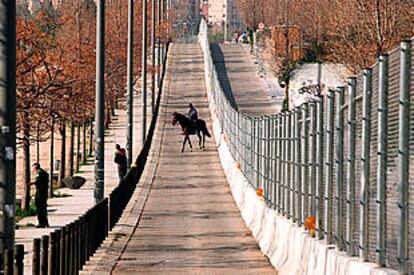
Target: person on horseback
192, 116
192, 113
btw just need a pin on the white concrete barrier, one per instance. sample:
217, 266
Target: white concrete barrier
288, 247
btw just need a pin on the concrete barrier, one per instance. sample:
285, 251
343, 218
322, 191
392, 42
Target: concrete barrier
288, 247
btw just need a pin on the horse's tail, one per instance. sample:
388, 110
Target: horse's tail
204, 128
206, 132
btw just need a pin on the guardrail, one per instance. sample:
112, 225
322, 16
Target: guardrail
342, 159
66, 250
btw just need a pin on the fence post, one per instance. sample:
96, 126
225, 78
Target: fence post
62, 254
339, 168
256, 151
8, 264
44, 255
288, 162
279, 163
404, 155
54, 253
293, 166
284, 168
36, 257
251, 161
304, 163
267, 159
312, 158
298, 169
365, 163
319, 166
329, 165
382, 157
19, 257
350, 179
273, 160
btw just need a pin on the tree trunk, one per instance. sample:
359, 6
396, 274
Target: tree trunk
71, 149
51, 156
90, 137
84, 143
108, 115
26, 165
62, 169
78, 145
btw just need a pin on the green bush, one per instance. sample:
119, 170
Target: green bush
21, 213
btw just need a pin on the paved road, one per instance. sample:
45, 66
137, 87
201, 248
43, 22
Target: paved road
190, 223
239, 78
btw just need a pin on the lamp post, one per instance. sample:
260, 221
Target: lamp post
130, 88
7, 122
100, 103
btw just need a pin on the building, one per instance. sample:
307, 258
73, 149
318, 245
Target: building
224, 14
217, 12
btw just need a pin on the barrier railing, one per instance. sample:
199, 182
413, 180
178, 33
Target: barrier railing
66, 250
340, 163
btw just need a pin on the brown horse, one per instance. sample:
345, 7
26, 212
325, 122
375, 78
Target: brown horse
188, 128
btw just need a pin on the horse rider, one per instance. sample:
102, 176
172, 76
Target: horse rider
192, 114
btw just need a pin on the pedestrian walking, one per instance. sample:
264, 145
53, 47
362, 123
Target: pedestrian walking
42, 184
121, 161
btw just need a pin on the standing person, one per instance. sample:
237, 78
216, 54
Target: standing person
124, 163
121, 162
42, 183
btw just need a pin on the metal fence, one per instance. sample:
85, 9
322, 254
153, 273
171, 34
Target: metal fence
344, 158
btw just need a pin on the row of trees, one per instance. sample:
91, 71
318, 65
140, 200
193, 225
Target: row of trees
351, 32
56, 76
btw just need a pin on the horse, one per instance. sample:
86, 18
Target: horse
189, 128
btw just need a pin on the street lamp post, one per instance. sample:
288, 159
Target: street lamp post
7, 122
144, 71
153, 55
130, 88
100, 103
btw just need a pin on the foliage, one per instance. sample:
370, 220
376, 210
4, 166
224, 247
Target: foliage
350, 32
21, 213
217, 37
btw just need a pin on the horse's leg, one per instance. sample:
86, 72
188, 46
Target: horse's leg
184, 142
199, 139
204, 141
189, 143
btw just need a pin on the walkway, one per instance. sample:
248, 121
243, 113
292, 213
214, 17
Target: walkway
238, 75
189, 222
63, 210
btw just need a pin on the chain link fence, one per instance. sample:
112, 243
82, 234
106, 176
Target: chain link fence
344, 158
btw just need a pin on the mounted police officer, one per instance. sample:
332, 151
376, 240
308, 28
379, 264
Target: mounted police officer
42, 184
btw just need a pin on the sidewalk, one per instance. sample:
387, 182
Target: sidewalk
238, 75
63, 210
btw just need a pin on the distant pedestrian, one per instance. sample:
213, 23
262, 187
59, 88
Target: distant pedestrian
121, 161
42, 184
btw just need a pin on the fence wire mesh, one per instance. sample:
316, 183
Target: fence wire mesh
337, 158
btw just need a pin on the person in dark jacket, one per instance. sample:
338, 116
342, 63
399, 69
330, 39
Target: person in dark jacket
121, 161
42, 185
192, 113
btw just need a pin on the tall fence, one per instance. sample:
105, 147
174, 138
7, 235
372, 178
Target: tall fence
344, 158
